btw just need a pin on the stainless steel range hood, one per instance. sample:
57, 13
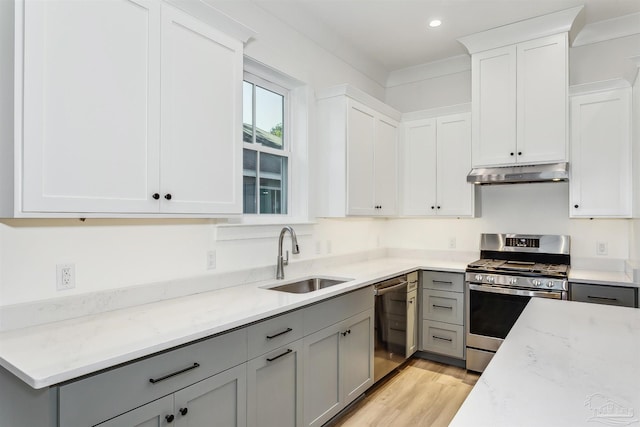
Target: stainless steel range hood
519, 174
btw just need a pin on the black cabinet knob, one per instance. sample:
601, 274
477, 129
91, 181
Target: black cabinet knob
184, 411
433, 207
155, 196
576, 206
511, 154
438, 207
167, 196
519, 153
169, 418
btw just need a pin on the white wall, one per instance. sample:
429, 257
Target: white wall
522, 208
634, 246
432, 92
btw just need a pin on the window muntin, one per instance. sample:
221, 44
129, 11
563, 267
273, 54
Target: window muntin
266, 148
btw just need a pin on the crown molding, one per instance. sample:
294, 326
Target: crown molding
609, 29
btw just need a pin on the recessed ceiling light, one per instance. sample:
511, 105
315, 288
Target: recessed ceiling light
435, 23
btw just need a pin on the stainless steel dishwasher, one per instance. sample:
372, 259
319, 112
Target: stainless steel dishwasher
395, 323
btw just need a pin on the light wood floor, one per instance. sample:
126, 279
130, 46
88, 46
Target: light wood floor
423, 393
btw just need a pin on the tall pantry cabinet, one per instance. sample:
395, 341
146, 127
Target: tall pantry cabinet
125, 107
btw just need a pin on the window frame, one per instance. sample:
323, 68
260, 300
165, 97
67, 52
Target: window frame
287, 143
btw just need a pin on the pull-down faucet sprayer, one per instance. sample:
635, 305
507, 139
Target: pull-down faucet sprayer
294, 248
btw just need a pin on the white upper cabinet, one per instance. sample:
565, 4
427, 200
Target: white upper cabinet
90, 106
356, 156
128, 107
519, 96
600, 183
200, 157
436, 158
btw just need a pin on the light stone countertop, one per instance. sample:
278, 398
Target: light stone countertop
599, 277
563, 363
52, 353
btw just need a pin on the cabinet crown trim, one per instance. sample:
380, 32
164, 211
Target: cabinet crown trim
360, 96
528, 29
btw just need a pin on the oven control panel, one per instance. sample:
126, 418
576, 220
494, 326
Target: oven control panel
541, 283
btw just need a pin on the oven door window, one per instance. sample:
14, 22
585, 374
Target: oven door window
492, 314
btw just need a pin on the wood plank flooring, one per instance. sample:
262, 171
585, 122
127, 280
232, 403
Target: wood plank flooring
423, 393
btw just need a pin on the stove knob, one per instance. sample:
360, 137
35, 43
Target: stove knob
550, 284
536, 282
491, 279
479, 277
513, 281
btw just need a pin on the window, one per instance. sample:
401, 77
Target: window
266, 154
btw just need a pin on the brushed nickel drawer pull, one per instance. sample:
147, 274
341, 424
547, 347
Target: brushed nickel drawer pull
279, 356
442, 306
182, 371
444, 282
443, 339
286, 331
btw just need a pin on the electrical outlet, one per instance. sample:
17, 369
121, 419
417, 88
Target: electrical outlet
452, 242
65, 276
318, 247
328, 246
602, 248
211, 260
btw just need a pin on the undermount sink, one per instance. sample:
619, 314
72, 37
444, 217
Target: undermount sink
310, 284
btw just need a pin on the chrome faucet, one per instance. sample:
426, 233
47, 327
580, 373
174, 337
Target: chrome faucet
294, 247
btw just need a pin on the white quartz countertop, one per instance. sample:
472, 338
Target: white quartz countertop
48, 354
599, 277
563, 364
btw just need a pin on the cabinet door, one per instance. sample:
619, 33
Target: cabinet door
386, 167
455, 194
412, 322
600, 184
152, 414
493, 85
356, 356
274, 388
90, 106
418, 168
201, 108
219, 400
361, 125
542, 100
322, 391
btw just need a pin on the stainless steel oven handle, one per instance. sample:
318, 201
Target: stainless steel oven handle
512, 291
383, 291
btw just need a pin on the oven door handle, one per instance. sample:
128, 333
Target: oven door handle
388, 289
512, 291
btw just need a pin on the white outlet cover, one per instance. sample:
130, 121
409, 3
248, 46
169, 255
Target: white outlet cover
602, 248
211, 260
65, 276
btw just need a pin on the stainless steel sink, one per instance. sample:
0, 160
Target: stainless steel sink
310, 284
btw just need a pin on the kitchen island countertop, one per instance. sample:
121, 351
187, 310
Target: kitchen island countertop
563, 364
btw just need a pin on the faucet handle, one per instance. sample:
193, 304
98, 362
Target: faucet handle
285, 261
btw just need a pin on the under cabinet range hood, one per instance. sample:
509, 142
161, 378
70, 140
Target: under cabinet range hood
519, 174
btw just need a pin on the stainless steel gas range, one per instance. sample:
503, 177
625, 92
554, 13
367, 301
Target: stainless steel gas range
512, 269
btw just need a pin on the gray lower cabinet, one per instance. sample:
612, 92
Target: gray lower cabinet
443, 313
274, 388
604, 294
218, 400
152, 414
338, 366
298, 368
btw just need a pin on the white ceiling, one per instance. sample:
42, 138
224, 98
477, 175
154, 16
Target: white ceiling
393, 34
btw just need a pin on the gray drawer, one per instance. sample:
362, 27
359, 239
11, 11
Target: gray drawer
443, 306
603, 294
99, 397
270, 334
443, 338
327, 313
442, 281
